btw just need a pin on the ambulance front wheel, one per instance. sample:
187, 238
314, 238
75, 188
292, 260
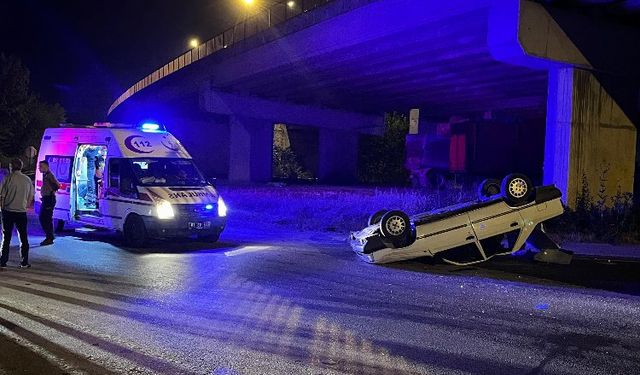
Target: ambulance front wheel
135, 232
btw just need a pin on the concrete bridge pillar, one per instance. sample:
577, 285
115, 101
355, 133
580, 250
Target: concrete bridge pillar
338, 158
250, 151
590, 142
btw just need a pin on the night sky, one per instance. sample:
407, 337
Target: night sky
83, 54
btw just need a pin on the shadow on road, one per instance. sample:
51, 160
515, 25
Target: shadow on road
611, 274
616, 275
155, 246
32, 362
148, 361
16, 358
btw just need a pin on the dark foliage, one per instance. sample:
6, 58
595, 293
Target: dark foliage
23, 116
287, 166
600, 217
381, 159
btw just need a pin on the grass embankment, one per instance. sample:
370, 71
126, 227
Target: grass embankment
343, 209
329, 208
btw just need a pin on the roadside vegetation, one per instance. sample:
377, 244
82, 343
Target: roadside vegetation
23, 115
599, 217
286, 165
328, 208
344, 209
381, 158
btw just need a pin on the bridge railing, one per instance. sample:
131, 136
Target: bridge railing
250, 26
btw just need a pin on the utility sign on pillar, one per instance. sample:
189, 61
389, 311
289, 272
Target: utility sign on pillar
414, 119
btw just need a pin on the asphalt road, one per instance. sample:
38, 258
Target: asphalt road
266, 301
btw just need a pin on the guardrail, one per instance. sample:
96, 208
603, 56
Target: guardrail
252, 25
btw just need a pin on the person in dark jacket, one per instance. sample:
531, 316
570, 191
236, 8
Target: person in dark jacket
50, 186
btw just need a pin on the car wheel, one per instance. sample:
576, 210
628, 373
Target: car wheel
209, 237
59, 226
135, 232
517, 189
488, 188
376, 217
395, 226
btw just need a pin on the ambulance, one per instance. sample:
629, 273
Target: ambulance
137, 180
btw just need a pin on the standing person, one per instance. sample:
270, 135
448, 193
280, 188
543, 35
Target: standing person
48, 193
16, 194
3, 173
98, 180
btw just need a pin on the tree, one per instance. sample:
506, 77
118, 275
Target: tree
381, 159
287, 166
23, 115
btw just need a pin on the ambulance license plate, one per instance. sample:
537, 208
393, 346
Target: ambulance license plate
197, 225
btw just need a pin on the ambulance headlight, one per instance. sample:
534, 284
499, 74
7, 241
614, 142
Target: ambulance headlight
164, 210
222, 208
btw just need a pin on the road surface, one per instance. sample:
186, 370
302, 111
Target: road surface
268, 301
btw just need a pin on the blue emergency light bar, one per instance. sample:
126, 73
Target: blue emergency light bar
152, 127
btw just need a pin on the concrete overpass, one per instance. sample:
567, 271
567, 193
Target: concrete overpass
342, 64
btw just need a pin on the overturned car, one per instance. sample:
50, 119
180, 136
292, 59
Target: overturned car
506, 215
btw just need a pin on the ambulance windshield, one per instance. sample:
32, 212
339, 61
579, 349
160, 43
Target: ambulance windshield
167, 172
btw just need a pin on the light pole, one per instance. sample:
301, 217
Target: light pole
194, 43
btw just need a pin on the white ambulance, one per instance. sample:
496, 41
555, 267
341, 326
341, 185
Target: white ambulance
138, 180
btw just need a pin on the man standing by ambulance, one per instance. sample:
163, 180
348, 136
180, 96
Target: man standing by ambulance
48, 192
16, 194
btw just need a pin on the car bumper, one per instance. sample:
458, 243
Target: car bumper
366, 245
186, 227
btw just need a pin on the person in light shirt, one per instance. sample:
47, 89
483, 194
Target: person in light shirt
16, 194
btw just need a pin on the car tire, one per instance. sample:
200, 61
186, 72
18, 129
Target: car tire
517, 189
395, 226
488, 188
209, 237
135, 232
59, 226
376, 217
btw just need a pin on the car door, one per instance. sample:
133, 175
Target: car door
495, 219
119, 193
491, 224
62, 168
446, 233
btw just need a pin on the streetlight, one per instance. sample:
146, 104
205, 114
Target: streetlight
248, 5
194, 43
291, 4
